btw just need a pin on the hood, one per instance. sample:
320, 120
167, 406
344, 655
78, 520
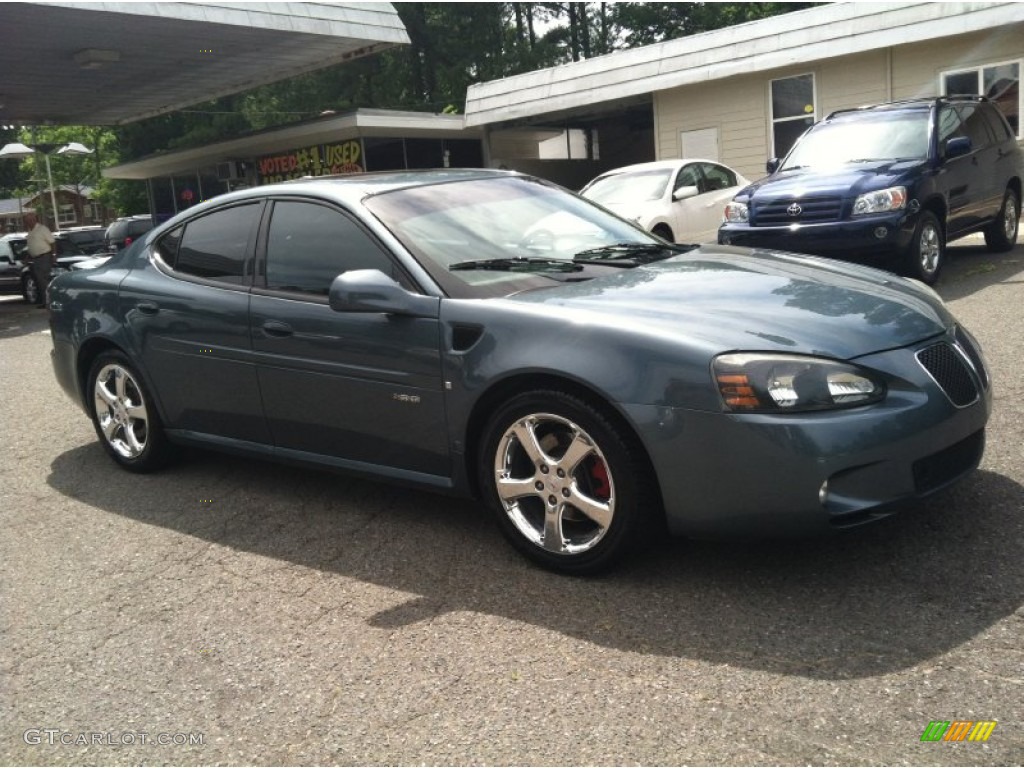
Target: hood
845, 181
724, 299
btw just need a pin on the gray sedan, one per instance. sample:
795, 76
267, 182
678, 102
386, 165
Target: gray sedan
487, 333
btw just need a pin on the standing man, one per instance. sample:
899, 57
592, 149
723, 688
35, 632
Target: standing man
40, 243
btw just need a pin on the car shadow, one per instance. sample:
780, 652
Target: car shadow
970, 267
20, 319
864, 603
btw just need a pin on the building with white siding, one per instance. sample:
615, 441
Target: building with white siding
743, 94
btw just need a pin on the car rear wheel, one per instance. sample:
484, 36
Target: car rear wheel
927, 251
124, 416
30, 289
1001, 234
569, 489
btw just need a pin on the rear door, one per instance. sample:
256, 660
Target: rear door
362, 388
187, 310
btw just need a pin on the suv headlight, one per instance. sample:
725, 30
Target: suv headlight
736, 213
770, 383
892, 199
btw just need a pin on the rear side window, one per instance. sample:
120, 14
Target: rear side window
215, 246
309, 245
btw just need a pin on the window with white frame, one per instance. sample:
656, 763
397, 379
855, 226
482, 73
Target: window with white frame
66, 214
793, 111
999, 82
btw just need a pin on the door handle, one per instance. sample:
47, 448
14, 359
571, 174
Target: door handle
277, 328
147, 307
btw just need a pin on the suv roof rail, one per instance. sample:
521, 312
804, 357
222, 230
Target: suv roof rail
920, 100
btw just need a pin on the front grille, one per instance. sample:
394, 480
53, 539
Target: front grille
812, 209
942, 468
967, 344
950, 371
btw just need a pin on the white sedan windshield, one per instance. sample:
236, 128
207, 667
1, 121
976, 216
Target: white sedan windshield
631, 187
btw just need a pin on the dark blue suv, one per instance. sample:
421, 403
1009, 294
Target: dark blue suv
899, 179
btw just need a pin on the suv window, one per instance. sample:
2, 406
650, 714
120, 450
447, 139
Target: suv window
863, 136
216, 246
309, 245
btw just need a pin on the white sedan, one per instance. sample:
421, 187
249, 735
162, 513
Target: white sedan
679, 200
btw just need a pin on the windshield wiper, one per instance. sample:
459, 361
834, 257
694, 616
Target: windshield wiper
629, 254
518, 264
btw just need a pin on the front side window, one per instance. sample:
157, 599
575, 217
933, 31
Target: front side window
999, 82
689, 176
309, 245
793, 111
717, 177
216, 246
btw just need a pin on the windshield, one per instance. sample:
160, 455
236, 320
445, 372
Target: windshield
862, 137
498, 235
629, 187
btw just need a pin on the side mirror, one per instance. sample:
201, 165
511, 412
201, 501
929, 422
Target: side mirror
370, 290
958, 147
772, 165
684, 192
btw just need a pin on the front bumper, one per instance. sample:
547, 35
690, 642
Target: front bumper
878, 235
729, 474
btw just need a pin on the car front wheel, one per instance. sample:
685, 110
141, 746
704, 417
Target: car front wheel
927, 251
124, 416
1001, 234
570, 490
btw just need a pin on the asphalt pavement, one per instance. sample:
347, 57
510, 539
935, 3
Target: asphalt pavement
232, 612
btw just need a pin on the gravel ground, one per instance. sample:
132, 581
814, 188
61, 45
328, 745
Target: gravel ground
247, 613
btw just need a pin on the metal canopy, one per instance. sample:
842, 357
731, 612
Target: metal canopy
107, 63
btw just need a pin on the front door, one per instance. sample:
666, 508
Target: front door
364, 388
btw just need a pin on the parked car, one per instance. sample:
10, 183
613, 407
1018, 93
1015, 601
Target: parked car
122, 232
892, 180
678, 200
396, 325
88, 239
15, 274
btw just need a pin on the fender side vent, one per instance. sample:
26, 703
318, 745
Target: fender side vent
465, 336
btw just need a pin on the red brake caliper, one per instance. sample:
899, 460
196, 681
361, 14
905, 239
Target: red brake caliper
599, 473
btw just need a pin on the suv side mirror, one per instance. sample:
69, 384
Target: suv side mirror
370, 290
772, 165
958, 147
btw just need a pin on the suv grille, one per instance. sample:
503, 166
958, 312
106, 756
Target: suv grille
812, 209
950, 371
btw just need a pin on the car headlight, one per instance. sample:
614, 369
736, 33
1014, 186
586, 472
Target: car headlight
736, 213
770, 383
892, 199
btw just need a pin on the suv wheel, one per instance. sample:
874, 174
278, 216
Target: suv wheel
1001, 234
927, 251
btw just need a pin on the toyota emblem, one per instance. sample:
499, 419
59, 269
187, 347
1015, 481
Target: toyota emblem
794, 210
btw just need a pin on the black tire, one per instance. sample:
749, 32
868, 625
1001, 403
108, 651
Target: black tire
927, 252
124, 415
1001, 234
664, 232
30, 290
599, 499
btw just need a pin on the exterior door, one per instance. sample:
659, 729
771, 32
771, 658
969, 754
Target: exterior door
359, 387
187, 311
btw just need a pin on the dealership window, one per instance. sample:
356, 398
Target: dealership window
793, 111
999, 82
66, 214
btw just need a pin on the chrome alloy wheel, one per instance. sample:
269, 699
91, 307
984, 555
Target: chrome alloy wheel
554, 484
1010, 220
121, 411
929, 248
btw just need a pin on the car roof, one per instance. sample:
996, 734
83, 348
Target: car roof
658, 165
